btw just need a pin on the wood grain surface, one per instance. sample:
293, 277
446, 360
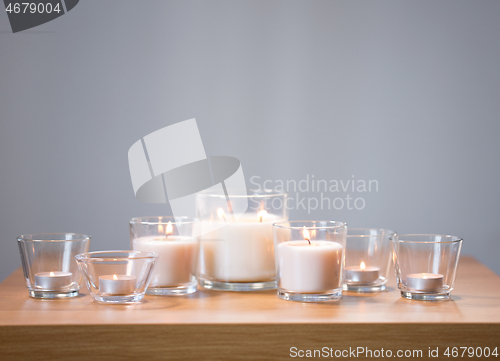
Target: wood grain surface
211, 325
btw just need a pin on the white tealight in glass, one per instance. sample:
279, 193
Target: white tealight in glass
426, 265
367, 259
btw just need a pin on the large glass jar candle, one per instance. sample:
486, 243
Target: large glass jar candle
237, 252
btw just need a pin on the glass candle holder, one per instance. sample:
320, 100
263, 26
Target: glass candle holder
117, 277
310, 260
367, 259
48, 263
237, 252
175, 242
426, 265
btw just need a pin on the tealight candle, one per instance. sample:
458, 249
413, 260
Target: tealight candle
117, 284
424, 281
53, 280
309, 266
362, 274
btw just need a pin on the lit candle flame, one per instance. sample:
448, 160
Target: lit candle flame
114, 277
425, 277
221, 214
362, 265
306, 234
160, 229
51, 274
261, 215
169, 228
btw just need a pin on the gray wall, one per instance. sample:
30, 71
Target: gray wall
403, 92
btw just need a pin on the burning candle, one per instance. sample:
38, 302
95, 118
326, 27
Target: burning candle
53, 280
424, 281
177, 257
362, 274
309, 266
117, 284
242, 250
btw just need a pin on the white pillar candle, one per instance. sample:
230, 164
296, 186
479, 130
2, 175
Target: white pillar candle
240, 251
117, 284
362, 274
424, 281
53, 280
177, 258
309, 267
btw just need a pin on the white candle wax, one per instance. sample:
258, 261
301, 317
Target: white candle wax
177, 258
362, 274
117, 284
241, 251
53, 280
424, 281
309, 268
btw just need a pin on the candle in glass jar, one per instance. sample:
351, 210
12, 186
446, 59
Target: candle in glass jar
362, 274
309, 266
53, 280
424, 281
240, 250
177, 257
117, 284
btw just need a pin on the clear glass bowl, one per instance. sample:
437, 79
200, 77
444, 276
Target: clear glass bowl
236, 234
117, 277
367, 259
49, 265
310, 260
174, 240
426, 265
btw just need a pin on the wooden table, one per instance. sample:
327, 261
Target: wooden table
211, 325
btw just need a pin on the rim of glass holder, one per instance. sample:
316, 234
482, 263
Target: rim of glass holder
258, 193
330, 225
53, 237
453, 239
83, 257
386, 232
152, 220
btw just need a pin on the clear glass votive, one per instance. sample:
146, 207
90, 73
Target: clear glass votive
174, 240
367, 259
310, 260
426, 265
237, 252
117, 277
48, 263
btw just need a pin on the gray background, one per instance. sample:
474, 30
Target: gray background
404, 92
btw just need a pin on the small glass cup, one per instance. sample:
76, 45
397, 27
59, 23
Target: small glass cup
175, 241
367, 259
237, 252
426, 265
310, 260
48, 263
117, 277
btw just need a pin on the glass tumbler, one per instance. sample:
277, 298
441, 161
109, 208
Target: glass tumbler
236, 234
174, 240
49, 265
426, 265
117, 277
310, 260
367, 259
